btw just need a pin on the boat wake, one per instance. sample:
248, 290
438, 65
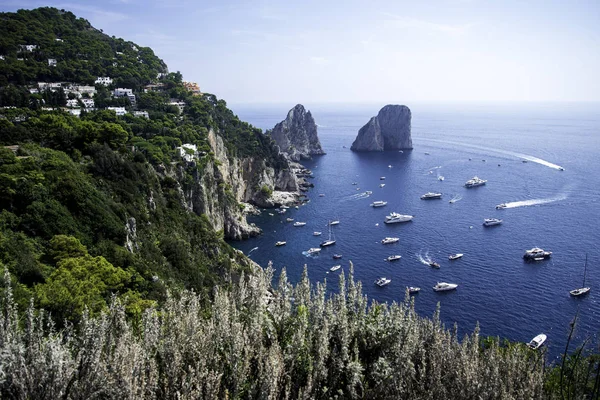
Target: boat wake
424, 259
256, 248
357, 196
535, 202
455, 198
430, 170
310, 255
514, 154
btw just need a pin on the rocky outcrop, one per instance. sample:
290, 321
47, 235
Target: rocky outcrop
389, 130
296, 136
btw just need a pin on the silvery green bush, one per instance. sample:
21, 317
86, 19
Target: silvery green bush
258, 341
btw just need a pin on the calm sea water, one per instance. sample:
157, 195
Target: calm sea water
556, 210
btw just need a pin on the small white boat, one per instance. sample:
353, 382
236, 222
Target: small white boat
335, 267
378, 203
413, 289
431, 196
433, 264
314, 250
368, 192
284, 206
501, 206
316, 233
382, 185
390, 166
561, 169
289, 219
455, 256
537, 341
280, 243
444, 286
321, 195
298, 223
336, 222
389, 240
382, 178
491, 221
271, 214
337, 256
535, 253
382, 281
355, 183
440, 178
426, 153
394, 257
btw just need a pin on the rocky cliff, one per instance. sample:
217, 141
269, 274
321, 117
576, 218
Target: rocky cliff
389, 130
296, 136
218, 189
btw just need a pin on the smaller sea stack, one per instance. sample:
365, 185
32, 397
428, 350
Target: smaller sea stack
389, 130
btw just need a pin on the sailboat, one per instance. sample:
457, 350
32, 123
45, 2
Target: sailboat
583, 289
329, 241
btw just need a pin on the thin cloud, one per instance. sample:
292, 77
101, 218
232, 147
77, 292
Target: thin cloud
319, 60
415, 23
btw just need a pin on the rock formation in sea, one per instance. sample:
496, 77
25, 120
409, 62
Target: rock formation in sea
296, 136
389, 130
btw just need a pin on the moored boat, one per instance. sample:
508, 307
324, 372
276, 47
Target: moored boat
583, 289
389, 240
335, 267
316, 233
394, 257
444, 286
491, 221
337, 256
314, 250
474, 182
455, 256
413, 289
280, 243
378, 203
431, 196
537, 341
536, 252
382, 185
336, 222
382, 281
298, 223
395, 218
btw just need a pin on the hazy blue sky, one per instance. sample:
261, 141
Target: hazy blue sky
365, 51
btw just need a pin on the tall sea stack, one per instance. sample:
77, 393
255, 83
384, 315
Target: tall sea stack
389, 130
296, 136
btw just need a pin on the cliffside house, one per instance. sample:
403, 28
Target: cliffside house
88, 103
141, 114
154, 87
49, 85
180, 104
52, 62
28, 47
120, 111
187, 151
193, 87
122, 92
72, 103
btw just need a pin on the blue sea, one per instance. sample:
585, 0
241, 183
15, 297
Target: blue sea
518, 149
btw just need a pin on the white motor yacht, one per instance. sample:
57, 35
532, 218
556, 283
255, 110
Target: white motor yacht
501, 206
395, 218
316, 233
382, 185
314, 250
440, 178
335, 267
280, 243
382, 281
413, 289
336, 222
537, 341
378, 203
455, 256
491, 221
431, 196
394, 257
444, 286
368, 192
289, 219
298, 223
382, 178
474, 182
389, 240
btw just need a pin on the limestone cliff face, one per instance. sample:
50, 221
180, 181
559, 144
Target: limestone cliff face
221, 185
389, 130
296, 136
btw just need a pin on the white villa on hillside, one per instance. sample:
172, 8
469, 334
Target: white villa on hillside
141, 114
88, 103
187, 151
104, 80
52, 62
120, 111
121, 92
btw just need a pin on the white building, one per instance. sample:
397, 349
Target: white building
121, 92
52, 62
188, 151
104, 80
59, 40
72, 103
28, 47
75, 111
179, 104
120, 111
1, 57
88, 103
91, 90
49, 85
141, 114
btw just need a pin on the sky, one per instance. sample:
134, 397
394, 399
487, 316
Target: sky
364, 51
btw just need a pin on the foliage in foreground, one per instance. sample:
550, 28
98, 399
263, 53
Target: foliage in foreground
258, 342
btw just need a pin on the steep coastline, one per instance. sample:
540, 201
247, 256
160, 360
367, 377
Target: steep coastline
389, 130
